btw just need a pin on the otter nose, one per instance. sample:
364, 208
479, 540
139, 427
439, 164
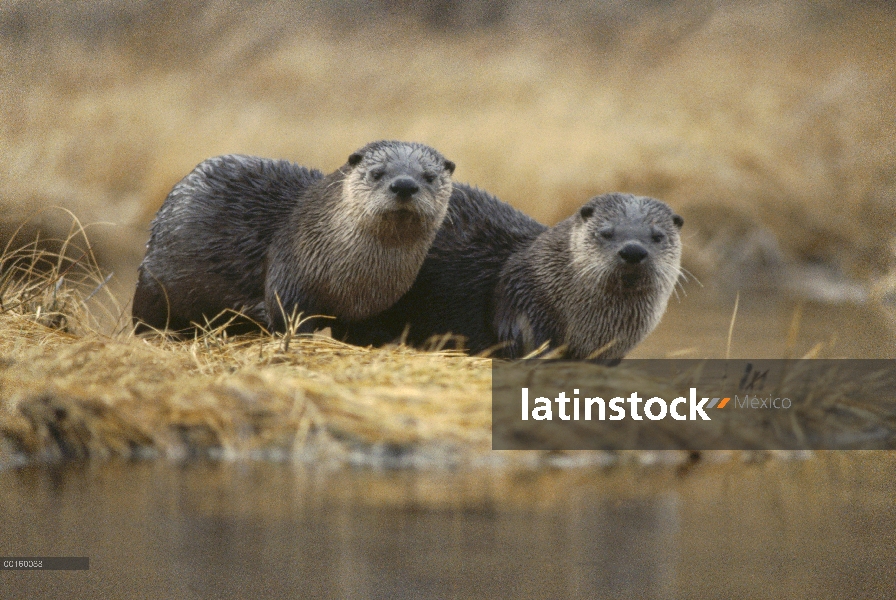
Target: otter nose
404, 187
633, 253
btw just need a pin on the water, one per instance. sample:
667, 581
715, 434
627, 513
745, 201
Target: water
769, 327
818, 528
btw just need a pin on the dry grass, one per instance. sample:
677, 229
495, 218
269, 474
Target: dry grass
70, 392
769, 127
95, 398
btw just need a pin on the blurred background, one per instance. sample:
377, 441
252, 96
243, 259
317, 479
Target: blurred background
768, 126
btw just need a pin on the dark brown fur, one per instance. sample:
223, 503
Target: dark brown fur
269, 238
507, 283
355, 248
208, 242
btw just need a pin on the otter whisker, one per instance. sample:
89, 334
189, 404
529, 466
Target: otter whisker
321, 244
689, 276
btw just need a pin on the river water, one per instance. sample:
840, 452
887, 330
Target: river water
817, 525
697, 326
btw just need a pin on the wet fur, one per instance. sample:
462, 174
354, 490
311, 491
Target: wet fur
508, 284
208, 243
253, 235
572, 275
353, 251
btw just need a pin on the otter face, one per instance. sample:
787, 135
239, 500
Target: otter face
625, 259
630, 242
404, 186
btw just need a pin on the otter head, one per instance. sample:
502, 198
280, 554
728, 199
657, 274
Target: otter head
625, 255
630, 243
403, 186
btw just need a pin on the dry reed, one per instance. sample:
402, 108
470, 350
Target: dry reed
768, 127
69, 392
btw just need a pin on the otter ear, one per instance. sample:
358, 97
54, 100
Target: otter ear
677, 220
586, 212
449, 166
355, 158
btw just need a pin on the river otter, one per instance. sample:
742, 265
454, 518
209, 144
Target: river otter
592, 286
271, 239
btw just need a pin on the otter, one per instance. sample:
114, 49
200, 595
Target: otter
208, 243
592, 286
270, 239
357, 243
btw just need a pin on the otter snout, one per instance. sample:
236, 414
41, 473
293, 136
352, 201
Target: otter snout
633, 253
404, 188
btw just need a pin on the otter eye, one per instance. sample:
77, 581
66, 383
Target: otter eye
607, 234
377, 174
429, 177
658, 237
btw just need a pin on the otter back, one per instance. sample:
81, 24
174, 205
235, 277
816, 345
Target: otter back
592, 286
208, 242
454, 291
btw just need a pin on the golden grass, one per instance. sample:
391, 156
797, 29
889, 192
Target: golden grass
769, 128
91, 397
70, 392
772, 119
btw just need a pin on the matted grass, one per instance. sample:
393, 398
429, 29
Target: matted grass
66, 396
769, 128
69, 392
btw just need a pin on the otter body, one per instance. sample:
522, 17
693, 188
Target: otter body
272, 240
594, 285
362, 233
209, 241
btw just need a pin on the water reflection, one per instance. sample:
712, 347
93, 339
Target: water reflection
817, 528
769, 327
